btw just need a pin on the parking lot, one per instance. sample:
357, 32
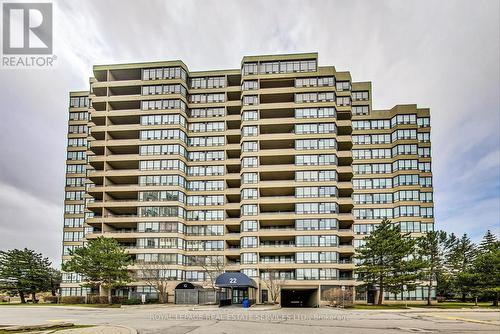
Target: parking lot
153, 319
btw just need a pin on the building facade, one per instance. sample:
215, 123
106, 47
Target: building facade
278, 169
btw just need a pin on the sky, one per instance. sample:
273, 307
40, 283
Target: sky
443, 55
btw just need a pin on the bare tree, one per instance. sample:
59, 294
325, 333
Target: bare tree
274, 282
153, 275
212, 267
337, 297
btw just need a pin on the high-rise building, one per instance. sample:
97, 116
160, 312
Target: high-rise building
277, 168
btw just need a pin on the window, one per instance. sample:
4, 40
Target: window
315, 160
249, 131
250, 85
250, 68
404, 119
249, 226
423, 122
343, 86
249, 162
249, 178
78, 116
75, 169
248, 242
360, 96
315, 144
315, 113
311, 176
163, 119
73, 236
314, 97
207, 112
360, 110
164, 73
205, 185
251, 115
307, 274
315, 128
249, 210
250, 146
163, 89
248, 258
207, 82
73, 222
205, 215
315, 192
250, 100
79, 102
424, 137
316, 224
207, 127
343, 101
285, 66
207, 98
163, 104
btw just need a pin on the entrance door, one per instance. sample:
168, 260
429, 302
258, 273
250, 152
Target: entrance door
239, 295
370, 296
263, 296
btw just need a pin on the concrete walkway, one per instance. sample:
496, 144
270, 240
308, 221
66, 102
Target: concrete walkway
100, 330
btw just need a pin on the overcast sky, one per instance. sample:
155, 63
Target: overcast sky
438, 54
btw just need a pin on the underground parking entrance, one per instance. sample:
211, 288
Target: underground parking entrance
299, 297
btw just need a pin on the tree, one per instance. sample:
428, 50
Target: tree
153, 275
24, 271
485, 272
338, 297
387, 260
489, 240
103, 262
274, 282
431, 248
54, 282
212, 266
460, 258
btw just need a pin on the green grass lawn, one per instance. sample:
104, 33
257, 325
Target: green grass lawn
447, 305
444, 305
56, 329
49, 304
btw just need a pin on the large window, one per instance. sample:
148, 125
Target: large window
164, 73
208, 82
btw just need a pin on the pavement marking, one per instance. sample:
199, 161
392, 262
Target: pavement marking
462, 319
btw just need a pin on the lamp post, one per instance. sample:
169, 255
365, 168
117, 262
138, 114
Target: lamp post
405, 295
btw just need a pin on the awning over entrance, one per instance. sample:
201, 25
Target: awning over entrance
187, 285
234, 280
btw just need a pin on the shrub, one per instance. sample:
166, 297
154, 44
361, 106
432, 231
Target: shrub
131, 301
73, 300
50, 299
98, 299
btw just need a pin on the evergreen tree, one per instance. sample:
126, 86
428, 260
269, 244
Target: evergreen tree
460, 258
486, 272
488, 241
431, 249
387, 260
103, 262
24, 272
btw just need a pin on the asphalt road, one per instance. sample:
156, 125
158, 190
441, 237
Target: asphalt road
180, 319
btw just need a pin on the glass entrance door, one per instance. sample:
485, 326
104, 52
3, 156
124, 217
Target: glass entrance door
239, 295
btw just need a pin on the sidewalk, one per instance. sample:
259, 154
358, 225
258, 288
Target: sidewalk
100, 330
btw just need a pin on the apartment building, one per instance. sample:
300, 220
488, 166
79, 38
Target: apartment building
277, 169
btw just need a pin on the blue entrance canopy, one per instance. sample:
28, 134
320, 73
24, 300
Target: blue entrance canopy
234, 280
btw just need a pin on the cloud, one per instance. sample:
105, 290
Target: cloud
442, 55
